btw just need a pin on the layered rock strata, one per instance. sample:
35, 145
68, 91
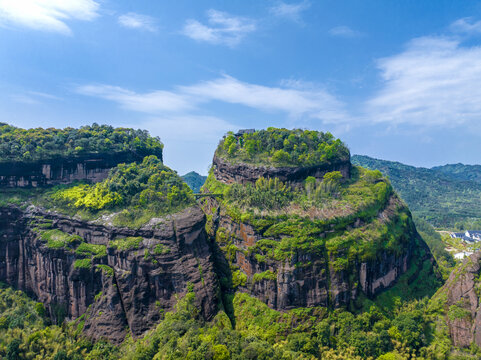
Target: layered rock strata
243, 173
93, 167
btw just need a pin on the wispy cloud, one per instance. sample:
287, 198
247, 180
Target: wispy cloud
137, 21
222, 28
33, 97
153, 102
433, 82
290, 11
313, 103
47, 15
344, 31
294, 100
466, 25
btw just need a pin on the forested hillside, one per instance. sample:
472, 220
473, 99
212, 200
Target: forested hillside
447, 196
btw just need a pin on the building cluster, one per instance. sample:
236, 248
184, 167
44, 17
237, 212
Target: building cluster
470, 236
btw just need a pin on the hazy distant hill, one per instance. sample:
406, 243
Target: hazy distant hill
461, 171
443, 195
194, 180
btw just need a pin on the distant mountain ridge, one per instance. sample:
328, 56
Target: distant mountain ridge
194, 180
443, 195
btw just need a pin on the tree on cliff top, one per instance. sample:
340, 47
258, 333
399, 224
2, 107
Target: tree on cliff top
27, 145
283, 147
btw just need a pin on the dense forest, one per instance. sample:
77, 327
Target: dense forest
446, 197
407, 330
27, 145
283, 147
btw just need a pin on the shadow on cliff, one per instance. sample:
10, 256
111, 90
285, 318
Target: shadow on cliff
224, 273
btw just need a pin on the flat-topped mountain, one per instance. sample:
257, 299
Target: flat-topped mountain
37, 157
289, 155
290, 252
114, 249
306, 228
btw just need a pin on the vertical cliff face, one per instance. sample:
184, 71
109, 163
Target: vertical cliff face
309, 278
461, 297
118, 280
244, 173
65, 170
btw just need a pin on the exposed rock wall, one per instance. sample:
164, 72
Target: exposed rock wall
462, 292
244, 173
61, 171
308, 279
141, 282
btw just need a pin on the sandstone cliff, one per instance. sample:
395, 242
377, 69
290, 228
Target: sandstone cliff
92, 167
243, 173
123, 283
461, 296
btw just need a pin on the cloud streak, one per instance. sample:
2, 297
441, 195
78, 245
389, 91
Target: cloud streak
295, 101
133, 20
222, 28
291, 12
344, 31
47, 15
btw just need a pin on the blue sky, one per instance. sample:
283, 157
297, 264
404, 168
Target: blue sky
398, 80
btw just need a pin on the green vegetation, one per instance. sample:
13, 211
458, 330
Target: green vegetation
446, 197
127, 243
137, 191
82, 264
44, 144
194, 180
161, 249
57, 239
408, 330
86, 249
283, 147
315, 218
433, 239
105, 269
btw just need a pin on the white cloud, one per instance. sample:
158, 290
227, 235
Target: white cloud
47, 15
290, 11
295, 98
313, 103
137, 21
344, 31
466, 25
223, 28
33, 97
151, 102
434, 81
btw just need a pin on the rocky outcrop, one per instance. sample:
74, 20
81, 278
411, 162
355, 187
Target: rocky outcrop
123, 288
243, 173
309, 278
92, 167
462, 294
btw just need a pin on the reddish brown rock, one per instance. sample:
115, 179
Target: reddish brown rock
142, 281
462, 302
243, 173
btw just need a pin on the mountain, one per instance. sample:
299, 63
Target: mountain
292, 252
194, 180
461, 171
445, 196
